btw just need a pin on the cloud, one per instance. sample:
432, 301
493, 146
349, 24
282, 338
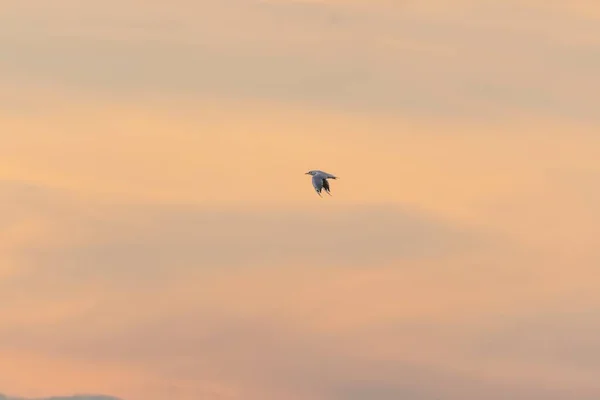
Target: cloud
159, 237
375, 58
128, 245
567, 338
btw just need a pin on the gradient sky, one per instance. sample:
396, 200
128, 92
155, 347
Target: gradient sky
160, 241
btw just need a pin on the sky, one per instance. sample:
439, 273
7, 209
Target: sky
159, 239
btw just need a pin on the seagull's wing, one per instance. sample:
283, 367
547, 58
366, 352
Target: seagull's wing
327, 175
326, 186
318, 183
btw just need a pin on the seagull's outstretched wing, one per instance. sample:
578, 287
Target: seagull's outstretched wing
326, 175
318, 183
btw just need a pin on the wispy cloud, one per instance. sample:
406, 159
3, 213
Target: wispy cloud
490, 62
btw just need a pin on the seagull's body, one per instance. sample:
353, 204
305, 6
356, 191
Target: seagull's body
319, 180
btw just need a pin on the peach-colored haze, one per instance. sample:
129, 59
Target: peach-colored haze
158, 239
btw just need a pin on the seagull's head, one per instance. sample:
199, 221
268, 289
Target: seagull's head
311, 172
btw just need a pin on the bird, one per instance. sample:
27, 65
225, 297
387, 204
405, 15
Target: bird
319, 180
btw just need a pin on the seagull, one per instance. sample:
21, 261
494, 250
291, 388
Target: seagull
319, 180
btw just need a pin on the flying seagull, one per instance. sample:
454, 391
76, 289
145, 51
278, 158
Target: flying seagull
319, 180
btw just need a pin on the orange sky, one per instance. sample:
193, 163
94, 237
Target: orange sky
160, 241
